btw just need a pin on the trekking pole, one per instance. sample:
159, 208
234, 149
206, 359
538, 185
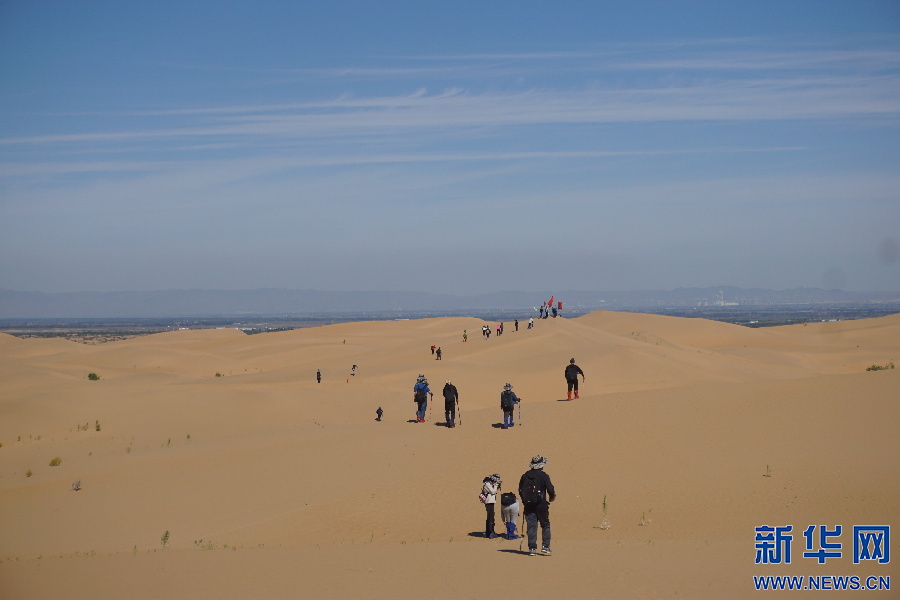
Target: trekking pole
458, 413
520, 413
522, 531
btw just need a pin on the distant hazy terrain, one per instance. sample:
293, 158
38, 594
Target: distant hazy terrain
209, 303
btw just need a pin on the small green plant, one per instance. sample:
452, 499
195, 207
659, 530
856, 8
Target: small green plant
164, 539
885, 367
93, 376
219, 374
768, 471
97, 425
28, 473
55, 461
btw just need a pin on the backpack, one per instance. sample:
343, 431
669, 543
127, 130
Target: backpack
531, 489
507, 499
420, 395
506, 401
571, 372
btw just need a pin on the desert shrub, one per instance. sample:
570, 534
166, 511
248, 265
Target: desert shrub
28, 473
93, 376
889, 365
55, 461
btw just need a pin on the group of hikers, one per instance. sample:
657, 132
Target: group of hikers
508, 398
536, 492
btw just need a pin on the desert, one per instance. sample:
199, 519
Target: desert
212, 464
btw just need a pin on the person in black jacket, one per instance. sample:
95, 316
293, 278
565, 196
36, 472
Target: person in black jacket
451, 401
572, 373
508, 401
536, 492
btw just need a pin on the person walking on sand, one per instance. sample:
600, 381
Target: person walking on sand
451, 401
572, 373
517, 324
438, 353
509, 512
318, 375
537, 492
432, 349
530, 322
489, 488
465, 336
508, 401
421, 391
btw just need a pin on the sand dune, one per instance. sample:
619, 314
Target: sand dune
273, 486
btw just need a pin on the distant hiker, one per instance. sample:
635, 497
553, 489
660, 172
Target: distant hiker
438, 353
378, 414
517, 324
451, 401
572, 373
508, 401
421, 391
509, 512
465, 336
318, 376
530, 322
489, 488
536, 491
353, 371
484, 331
432, 349
487, 330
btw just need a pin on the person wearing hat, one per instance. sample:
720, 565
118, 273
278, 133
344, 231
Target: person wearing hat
420, 396
489, 489
451, 400
508, 401
572, 373
536, 492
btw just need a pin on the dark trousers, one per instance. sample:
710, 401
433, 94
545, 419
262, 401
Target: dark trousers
533, 516
489, 522
572, 384
450, 411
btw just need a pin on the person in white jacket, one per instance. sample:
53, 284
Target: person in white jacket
489, 489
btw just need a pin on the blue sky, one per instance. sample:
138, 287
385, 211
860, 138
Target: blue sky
461, 147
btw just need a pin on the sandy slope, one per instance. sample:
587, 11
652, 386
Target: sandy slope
273, 486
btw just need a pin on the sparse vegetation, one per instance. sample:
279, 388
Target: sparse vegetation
768, 471
76, 485
28, 473
219, 374
884, 367
97, 425
164, 539
645, 519
55, 461
93, 376
604, 524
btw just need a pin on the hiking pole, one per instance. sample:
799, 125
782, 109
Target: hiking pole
522, 531
520, 413
458, 413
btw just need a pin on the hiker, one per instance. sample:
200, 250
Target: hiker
432, 349
465, 336
508, 401
438, 354
572, 373
318, 375
537, 492
489, 488
509, 512
530, 322
451, 400
517, 324
421, 391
